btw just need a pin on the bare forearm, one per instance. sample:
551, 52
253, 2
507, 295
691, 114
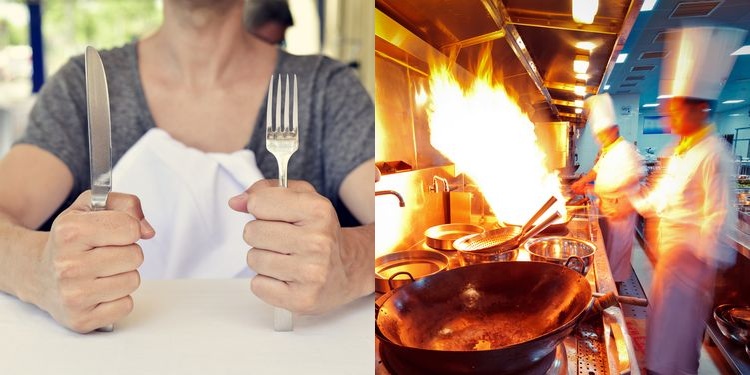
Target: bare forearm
358, 257
20, 249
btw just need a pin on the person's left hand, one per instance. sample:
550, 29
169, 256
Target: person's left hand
296, 240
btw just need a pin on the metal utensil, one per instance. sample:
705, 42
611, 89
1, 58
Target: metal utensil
282, 140
100, 134
537, 215
740, 314
414, 263
441, 236
495, 244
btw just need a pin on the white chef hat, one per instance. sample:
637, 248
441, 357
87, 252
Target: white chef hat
601, 112
698, 61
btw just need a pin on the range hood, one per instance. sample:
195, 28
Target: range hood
533, 44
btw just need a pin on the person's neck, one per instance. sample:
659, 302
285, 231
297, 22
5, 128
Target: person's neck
201, 45
695, 129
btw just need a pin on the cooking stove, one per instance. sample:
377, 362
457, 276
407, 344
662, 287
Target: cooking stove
588, 351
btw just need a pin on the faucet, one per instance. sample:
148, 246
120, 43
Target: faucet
401, 202
435, 180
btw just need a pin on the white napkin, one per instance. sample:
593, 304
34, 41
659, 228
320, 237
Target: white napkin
184, 194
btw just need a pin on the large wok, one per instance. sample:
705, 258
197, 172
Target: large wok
498, 318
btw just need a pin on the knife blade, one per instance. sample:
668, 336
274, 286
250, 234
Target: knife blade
100, 133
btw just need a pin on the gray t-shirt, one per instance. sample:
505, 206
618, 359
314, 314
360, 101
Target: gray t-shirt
336, 117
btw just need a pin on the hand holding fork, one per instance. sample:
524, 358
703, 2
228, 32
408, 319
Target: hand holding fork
282, 140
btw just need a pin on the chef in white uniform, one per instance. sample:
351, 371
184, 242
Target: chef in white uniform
691, 199
616, 173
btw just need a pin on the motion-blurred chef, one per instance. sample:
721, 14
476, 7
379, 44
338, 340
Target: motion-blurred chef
691, 199
616, 173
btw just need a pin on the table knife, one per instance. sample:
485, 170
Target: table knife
100, 134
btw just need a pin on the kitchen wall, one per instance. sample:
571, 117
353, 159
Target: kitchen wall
728, 121
349, 36
657, 141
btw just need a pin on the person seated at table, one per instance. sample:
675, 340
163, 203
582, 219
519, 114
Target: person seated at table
188, 126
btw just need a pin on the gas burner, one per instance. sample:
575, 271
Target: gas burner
553, 364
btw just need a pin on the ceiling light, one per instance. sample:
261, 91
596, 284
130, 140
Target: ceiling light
648, 5
583, 76
579, 110
650, 105
733, 101
581, 62
579, 89
588, 46
621, 58
606, 87
664, 96
735, 115
585, 10
744, 50
578, 103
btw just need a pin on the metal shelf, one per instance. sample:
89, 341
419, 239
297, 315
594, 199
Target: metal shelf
733, 352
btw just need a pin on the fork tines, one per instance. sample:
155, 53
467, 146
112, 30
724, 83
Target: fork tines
284, 123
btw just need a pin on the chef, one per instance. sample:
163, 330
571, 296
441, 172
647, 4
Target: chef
691, 199
616, 173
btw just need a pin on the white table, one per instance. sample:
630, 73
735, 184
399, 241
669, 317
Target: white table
190, 327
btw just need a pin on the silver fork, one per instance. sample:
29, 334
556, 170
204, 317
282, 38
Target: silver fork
282, 140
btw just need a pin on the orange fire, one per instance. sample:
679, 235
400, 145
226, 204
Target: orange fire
489, 138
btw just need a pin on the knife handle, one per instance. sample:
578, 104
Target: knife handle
100, 205
108, 328
282, 320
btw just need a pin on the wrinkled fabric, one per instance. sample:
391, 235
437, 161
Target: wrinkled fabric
184, 194
692, 202
679, 303
618, 173
618, 235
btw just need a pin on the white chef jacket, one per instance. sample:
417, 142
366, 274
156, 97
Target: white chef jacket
618, 172
692, 201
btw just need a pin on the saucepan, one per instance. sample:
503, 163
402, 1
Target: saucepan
401, 267
733, 322
572, 252
490, 318
441, 237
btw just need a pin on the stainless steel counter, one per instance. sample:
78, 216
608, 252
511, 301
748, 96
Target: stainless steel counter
594, 349
733, 286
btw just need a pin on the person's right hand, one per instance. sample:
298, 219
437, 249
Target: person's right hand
89, 265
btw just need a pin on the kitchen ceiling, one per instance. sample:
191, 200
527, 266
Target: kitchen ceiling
534, 44
645, 48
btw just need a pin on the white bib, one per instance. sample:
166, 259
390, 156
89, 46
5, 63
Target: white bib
184, 194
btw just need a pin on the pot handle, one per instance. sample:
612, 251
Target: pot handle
390, 279
381, 300
634, 301
578, 266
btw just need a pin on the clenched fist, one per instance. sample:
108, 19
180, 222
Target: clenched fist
89, 265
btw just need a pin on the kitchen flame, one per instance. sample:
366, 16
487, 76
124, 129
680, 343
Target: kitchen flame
490, 139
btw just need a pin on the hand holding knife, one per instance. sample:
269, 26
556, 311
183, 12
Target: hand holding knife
100, 134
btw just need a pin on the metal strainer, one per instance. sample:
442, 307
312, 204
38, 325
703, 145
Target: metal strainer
501, 239
488, 240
